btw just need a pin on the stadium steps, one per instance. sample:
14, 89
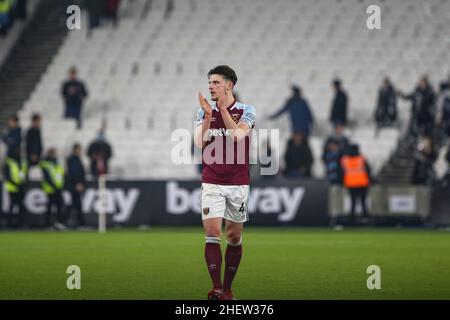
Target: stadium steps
29, 58
399, 168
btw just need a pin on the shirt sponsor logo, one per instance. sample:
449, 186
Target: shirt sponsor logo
219, 132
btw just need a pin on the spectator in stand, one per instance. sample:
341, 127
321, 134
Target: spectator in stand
74, 92
425, 158
422, 109
356, 176
339, 107
33, 141
386, 110
301, 116
339, 137
99, 152
5, 16
444, 108
298, 157
331, 157
12, 136
76, 182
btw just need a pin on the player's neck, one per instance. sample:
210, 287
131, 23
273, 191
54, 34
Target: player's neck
227, 102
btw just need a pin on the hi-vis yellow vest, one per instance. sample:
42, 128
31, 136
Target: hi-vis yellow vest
5, 6
56, 173
17, 174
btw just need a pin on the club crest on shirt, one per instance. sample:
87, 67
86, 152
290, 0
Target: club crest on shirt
235, 117
205, 211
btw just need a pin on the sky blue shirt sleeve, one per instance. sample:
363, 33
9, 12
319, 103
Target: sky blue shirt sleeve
249, 116
199, 117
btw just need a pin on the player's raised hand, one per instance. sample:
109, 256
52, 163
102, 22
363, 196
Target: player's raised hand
204, 104
221, 97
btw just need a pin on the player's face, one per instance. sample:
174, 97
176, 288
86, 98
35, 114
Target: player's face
215, 82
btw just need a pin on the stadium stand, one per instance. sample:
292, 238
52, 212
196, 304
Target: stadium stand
144, 75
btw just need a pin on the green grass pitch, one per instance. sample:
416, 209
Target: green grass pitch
278, 263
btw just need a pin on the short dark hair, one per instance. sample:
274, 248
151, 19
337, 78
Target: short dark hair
14, 117
337, 83
35, 117
354, 149
76, 146
224, 71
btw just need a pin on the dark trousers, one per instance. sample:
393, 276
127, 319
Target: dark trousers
76, 206
73, 112
55, 200
355, 195
5, 23
16, 199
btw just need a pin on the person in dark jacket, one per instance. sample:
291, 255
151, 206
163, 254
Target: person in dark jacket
339, 107
422, 108
425, 157
386, 110
99, 152
76, 182
298, 157
335, 146
74, 92
13, 136
331, 157
339, 137
301, 116
34, 141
